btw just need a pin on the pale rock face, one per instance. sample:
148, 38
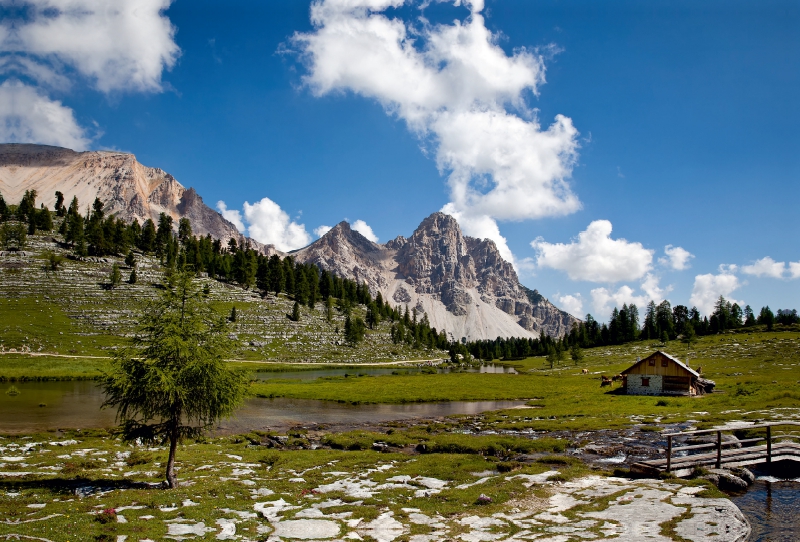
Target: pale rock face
126, 187
462, 284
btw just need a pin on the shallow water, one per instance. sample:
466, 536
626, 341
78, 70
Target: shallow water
76, 405
772, 503
773, 510
376, 371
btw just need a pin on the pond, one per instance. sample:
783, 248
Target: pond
313, 374
772, 504
40, 406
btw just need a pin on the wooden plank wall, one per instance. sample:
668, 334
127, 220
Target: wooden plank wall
658, 368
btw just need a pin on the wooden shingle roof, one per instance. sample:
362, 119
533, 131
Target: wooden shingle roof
678, 362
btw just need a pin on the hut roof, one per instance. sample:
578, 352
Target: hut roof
676, 360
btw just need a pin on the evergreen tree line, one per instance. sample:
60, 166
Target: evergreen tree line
661, 322
95, 234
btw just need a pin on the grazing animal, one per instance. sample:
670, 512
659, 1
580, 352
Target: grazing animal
585, 371
617, 378
699, 370
605, 381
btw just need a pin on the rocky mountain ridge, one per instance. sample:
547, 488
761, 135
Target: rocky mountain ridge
461, 283
127, 188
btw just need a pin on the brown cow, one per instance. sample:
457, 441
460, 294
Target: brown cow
617, 378
605, 381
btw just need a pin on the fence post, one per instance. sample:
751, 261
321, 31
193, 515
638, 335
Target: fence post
669, 451
719, 449
769, 444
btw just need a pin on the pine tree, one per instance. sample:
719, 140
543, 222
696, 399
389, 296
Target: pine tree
59, 208
115, 277
296, 312
329, 309
173, 382
232, 317
133, 278
130, 259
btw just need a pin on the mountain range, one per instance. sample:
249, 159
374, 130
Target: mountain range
462, 284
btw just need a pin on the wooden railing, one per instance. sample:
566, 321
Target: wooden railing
771, 438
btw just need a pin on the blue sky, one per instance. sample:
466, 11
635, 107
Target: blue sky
678, 126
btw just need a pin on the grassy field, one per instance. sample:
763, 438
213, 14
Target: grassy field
757, 377
74, 312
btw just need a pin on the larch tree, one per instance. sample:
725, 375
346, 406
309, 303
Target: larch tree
172, 381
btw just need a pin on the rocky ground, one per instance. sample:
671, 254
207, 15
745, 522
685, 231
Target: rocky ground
237, 492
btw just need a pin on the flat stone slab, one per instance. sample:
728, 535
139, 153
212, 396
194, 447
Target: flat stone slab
306, 529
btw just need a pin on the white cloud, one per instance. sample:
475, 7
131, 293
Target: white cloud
765, 267
231, 215
267, 223
572, 303
322, 230
481, 227
27, 115
594, 256
604, 300
121, 45
364, 229
677, 258
794, 270
462, 95
708, 288
652, 290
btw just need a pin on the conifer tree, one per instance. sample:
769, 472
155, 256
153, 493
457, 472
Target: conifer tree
115, 277
172, 382
133, 278
296, 312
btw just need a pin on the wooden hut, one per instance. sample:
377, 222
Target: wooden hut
661, 374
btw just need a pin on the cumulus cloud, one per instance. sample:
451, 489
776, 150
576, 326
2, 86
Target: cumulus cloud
572, 303
594, 256
231, 215
267, 223
113, 46
462, 95
605, 299
481, 227
794, 270
707, 289
677, 258
121, 45
364, 229
27, 115
322, 230
653, 290
766, 267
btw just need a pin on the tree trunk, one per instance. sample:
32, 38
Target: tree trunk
172, 480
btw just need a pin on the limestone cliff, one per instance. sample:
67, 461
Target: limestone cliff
126, 187
461, 283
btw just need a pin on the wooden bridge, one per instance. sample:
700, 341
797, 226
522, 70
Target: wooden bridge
781, 441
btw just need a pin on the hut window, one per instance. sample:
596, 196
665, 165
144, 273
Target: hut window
652, 362
663, 363
645, 382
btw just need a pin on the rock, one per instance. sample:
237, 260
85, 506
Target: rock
128, 189
306, 529
460, 283
728, 481
745, 475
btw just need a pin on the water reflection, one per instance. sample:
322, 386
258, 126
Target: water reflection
772, 504
490, 368
41, 406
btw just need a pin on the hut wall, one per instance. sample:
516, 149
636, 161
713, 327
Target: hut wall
655, 384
